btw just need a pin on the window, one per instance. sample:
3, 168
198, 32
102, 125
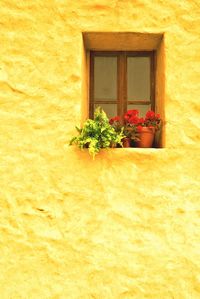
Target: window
122, 80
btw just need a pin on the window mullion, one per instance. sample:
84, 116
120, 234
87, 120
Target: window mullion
125, 82
152, 80
91, 104
121, 84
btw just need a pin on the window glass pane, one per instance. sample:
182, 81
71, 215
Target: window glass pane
138, 73
109, 109
142, 109
105, 78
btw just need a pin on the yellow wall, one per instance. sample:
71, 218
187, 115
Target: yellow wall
125, 225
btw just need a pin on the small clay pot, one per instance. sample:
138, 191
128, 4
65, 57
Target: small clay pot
146, 136
126, 142
113, 145
87, 145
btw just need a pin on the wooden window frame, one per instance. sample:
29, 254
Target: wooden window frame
122, 100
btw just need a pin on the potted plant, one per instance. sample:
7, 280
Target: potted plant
140, 130
117, 125
128, 123
130, 126
147, 128
97, 133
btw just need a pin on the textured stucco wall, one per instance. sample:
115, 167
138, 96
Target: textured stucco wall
127, 224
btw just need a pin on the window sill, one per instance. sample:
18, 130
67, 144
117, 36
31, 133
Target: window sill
131, 153
119, 152
134, 150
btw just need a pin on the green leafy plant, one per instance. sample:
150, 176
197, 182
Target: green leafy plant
97, 133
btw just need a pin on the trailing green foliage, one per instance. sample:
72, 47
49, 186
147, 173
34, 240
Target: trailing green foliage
97, 134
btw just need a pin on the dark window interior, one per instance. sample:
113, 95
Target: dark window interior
122, 80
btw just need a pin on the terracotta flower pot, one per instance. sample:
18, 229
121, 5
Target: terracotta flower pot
146, 136
126, 142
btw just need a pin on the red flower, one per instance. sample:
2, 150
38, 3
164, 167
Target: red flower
141, 120
132, 113
158, 116
150, 114
133, 120
114, 119
126, 117
131, 116
139, 128
117, 118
